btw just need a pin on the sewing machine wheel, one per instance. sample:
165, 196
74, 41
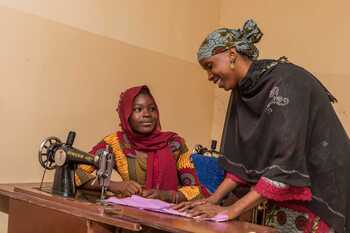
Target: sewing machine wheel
47, 152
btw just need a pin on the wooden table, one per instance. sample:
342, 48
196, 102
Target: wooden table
31, 210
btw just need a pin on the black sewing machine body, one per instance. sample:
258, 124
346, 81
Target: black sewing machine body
53, 154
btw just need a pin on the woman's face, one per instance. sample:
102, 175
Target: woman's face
144, 116
219, 71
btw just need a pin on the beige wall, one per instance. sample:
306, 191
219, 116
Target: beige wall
314, 34
171, 27
64, 64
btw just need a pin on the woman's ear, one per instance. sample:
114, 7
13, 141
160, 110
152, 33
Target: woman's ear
232, 53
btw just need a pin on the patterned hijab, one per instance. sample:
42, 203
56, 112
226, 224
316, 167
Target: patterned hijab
242, 40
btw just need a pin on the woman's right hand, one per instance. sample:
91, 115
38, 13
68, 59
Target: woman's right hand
225, 187
126, 188
188, 205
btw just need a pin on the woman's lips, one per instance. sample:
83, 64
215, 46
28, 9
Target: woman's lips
218, 80
146, 124
220, 83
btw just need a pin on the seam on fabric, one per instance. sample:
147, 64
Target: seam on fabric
267, 168
328, 206
276, 183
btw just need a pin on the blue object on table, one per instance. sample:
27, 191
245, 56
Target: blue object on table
209, 173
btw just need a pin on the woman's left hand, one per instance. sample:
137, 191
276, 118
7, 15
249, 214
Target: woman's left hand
151, 193
206, 211
168, 196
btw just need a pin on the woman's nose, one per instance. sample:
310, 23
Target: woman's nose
146, 113
210, 76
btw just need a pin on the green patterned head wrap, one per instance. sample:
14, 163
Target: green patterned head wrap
242, 40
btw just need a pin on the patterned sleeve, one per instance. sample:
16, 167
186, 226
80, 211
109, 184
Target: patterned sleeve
278, 191
190, 186
84, 172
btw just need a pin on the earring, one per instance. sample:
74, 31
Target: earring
232, 64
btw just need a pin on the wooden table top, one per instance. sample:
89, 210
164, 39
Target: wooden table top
120, 216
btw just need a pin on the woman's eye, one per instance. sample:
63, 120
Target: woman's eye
137, 109
209, 67
153, 109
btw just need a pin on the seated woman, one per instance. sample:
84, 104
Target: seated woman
151, 163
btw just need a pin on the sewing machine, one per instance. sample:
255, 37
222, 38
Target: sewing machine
53, 154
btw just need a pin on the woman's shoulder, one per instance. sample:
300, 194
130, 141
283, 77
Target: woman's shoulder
293, 76
114, 141
111, 138
293, 72
298, 80
178, 144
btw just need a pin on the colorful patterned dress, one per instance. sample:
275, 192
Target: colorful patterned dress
286, 206
133, 166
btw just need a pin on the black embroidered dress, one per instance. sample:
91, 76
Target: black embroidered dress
283, 136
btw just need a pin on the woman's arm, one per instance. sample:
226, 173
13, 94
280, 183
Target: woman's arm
126, 188
248, 201
190, 188
227, 186
83, 174
224, 188
264, 189
86, 180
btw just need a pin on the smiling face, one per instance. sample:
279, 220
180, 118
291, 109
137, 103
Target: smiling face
219, 71
144, 117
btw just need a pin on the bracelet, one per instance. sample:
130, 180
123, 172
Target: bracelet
176, 197
173, 198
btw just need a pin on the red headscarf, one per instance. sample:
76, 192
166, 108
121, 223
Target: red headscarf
161, 164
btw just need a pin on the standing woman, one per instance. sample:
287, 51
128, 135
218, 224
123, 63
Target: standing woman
282, 138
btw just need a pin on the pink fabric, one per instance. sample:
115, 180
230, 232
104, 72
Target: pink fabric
235, 178
270, 191
140, 202
154, 144
157, 205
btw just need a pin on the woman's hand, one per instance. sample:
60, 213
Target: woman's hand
209, 210
168, 196
188, 205
225, 187
206, 211
151, 193
126, 188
